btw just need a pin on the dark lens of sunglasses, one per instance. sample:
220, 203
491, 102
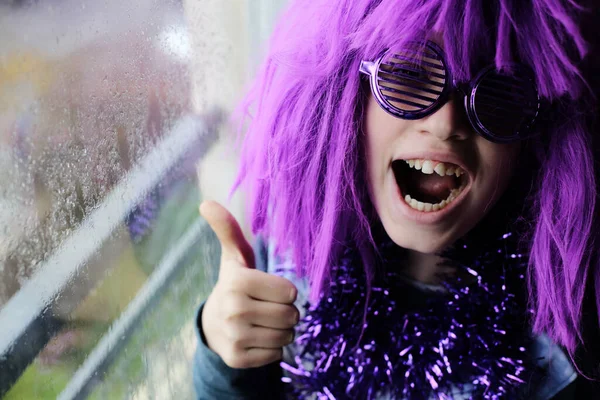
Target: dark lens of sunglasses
505, 105
411, 80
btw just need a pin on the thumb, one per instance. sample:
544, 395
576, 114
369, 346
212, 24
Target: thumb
233, 243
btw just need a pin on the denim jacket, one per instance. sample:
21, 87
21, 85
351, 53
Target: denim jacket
213, 379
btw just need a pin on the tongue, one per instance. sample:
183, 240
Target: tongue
435, 186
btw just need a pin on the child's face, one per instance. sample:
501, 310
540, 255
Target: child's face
443, 136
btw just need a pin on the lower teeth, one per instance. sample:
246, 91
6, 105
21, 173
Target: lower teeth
428, 207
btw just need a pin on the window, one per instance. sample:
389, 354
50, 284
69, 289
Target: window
112, 129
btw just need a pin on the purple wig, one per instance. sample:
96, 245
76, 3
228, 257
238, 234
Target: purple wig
303, 167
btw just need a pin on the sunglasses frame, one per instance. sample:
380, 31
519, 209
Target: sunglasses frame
468, 90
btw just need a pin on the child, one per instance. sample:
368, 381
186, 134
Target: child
420, 176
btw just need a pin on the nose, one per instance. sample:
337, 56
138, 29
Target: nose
447, 123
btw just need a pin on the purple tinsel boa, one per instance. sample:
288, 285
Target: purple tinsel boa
472, 337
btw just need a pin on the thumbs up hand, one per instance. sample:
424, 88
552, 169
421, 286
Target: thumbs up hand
249, 316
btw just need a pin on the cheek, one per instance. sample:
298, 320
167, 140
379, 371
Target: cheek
383, 134
377, 137
499, 165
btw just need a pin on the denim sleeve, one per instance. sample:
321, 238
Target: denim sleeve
213, 379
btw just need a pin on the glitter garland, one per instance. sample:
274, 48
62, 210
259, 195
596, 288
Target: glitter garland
471, 337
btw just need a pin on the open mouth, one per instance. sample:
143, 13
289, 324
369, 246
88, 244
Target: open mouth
428, 185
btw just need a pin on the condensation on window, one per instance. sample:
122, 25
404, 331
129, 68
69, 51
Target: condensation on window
85, 89
105, 104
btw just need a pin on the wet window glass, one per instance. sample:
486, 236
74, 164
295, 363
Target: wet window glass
113, 127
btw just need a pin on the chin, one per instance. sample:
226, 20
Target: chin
425, 243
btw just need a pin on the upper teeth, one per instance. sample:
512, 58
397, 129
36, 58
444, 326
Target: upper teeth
429, 167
